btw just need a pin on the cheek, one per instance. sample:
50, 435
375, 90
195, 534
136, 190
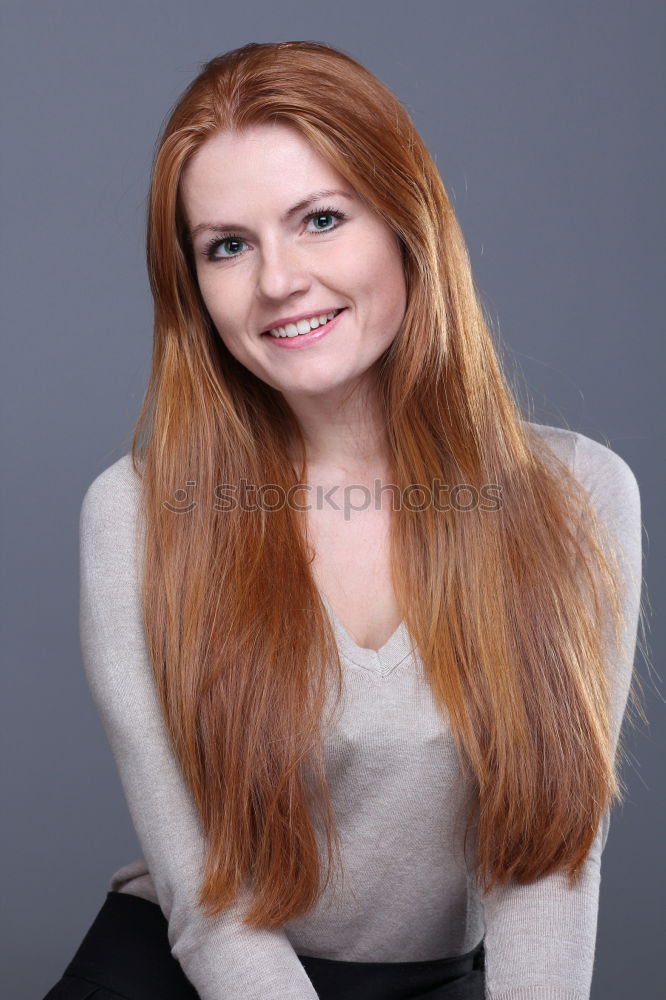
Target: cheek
207, 290
220, 301
380, 277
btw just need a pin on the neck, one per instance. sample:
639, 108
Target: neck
345, 433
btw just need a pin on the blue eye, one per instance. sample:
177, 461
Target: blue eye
231, 239
323, 215
211, 248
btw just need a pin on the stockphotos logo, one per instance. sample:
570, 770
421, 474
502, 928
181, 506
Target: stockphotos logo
350, 498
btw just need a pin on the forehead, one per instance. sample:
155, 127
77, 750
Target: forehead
265, 166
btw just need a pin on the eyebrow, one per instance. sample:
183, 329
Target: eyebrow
314, 196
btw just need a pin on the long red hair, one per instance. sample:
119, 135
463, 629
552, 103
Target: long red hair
242, 650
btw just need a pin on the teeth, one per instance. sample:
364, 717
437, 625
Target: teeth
303, 325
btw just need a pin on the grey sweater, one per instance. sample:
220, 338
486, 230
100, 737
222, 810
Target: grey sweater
395, 787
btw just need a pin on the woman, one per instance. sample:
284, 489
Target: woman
378, 618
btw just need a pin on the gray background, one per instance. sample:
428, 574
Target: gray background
545, 121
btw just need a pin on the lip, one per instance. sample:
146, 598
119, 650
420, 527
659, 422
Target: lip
303, 339
295, 318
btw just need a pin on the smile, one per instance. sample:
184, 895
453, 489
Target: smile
312, 335
303, 326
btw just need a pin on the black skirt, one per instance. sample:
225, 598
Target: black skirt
126, 955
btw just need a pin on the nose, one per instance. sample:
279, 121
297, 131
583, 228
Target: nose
282, 271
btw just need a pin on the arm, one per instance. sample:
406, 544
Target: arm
221, 957
541, 938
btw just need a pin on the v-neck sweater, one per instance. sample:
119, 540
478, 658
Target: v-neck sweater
396, 788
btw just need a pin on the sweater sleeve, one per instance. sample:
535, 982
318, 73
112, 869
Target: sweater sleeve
221, 956
540, 939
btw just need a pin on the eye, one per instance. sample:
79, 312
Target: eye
325, 213
210, 250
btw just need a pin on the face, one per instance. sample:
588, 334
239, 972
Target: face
272, 251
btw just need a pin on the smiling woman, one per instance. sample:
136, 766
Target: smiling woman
284, 248
292, 692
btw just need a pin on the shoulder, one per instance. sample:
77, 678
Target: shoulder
113, 485
110, 502
604, 474
611, 485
